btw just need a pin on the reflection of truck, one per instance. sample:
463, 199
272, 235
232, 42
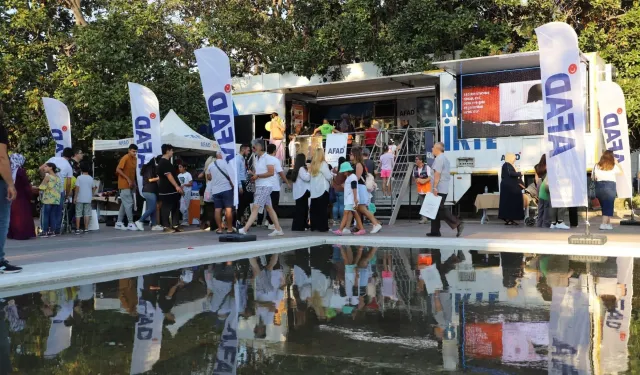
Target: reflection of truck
428, 101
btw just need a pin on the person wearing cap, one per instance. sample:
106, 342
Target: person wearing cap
350, 202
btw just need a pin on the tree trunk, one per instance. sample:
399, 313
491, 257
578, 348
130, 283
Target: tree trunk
75, 6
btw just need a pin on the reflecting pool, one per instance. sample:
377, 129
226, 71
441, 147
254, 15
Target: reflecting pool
338, 310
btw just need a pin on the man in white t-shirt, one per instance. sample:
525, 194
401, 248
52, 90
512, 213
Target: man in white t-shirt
221, 190
265, 168
186, 182
66, 174
276, 183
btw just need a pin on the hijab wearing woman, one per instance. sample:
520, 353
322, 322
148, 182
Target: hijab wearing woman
605, 175
21, 226
301, 186
364, 197
320, 178
511, 201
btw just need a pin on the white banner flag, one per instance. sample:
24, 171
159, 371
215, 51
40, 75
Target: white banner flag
59, 123
215, 74
145, 112
564, 120
336, 147
613, 117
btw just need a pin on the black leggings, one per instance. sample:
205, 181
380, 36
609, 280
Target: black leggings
170, 206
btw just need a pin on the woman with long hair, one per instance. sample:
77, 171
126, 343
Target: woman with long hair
301, 186
21, 225
364, 197
605, 176
320, 183
511, 206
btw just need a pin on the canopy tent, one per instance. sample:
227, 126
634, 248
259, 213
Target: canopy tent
174, 132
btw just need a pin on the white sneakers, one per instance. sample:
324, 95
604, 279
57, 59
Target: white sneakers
559, 226
139, 225
242, 231
131, 227
376, 229
271, 227
606, 227
157, 228
276, 233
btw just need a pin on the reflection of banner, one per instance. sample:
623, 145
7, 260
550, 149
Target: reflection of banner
615, 130
614, 350
226, 359
570, 334
215, 74
148, 334
483, 340
564, 121
145, 112
407, 111
335, 148
59, 123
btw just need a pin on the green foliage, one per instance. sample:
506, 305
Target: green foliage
84, 52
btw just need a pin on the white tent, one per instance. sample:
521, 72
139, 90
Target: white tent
174, 132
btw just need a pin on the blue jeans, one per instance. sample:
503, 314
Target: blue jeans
150, 212
56, 220
338, 206
5, 215
606, 194
49, 217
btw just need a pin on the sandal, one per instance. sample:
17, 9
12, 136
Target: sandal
218, 231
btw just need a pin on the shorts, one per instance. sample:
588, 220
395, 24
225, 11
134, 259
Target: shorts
262, 196
385, 173
223, 200
349, 207
83, 209
364, 197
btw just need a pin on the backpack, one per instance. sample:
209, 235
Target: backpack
370, 181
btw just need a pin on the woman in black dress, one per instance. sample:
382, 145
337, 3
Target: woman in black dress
511, 202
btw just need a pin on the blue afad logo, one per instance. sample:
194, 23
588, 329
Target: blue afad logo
221, 124
560, 114
142, 137
451, 141
613, 134
57, 136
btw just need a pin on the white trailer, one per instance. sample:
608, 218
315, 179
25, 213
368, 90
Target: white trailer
474, 160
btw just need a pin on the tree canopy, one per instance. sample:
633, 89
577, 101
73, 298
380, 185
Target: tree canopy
84, 52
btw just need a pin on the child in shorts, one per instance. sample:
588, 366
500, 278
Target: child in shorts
350, 202
386, 167
84, 190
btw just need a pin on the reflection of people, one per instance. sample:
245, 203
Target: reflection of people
533, 109
511, 206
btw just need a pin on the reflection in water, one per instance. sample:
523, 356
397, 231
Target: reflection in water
336, 309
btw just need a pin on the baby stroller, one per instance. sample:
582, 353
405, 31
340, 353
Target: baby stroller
532, 192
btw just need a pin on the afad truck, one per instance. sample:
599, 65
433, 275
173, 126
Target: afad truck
480, 108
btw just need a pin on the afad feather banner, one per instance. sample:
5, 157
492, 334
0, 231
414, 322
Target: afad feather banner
59, 123
145, 113
215, 74
613, 119
564, 117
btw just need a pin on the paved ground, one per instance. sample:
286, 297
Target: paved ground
108, 241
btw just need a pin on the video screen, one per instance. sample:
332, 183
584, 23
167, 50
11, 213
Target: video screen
501, 104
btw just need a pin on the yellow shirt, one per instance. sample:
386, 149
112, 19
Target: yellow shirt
277, 129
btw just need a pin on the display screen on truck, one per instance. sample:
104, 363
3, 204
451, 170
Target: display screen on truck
501, 104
